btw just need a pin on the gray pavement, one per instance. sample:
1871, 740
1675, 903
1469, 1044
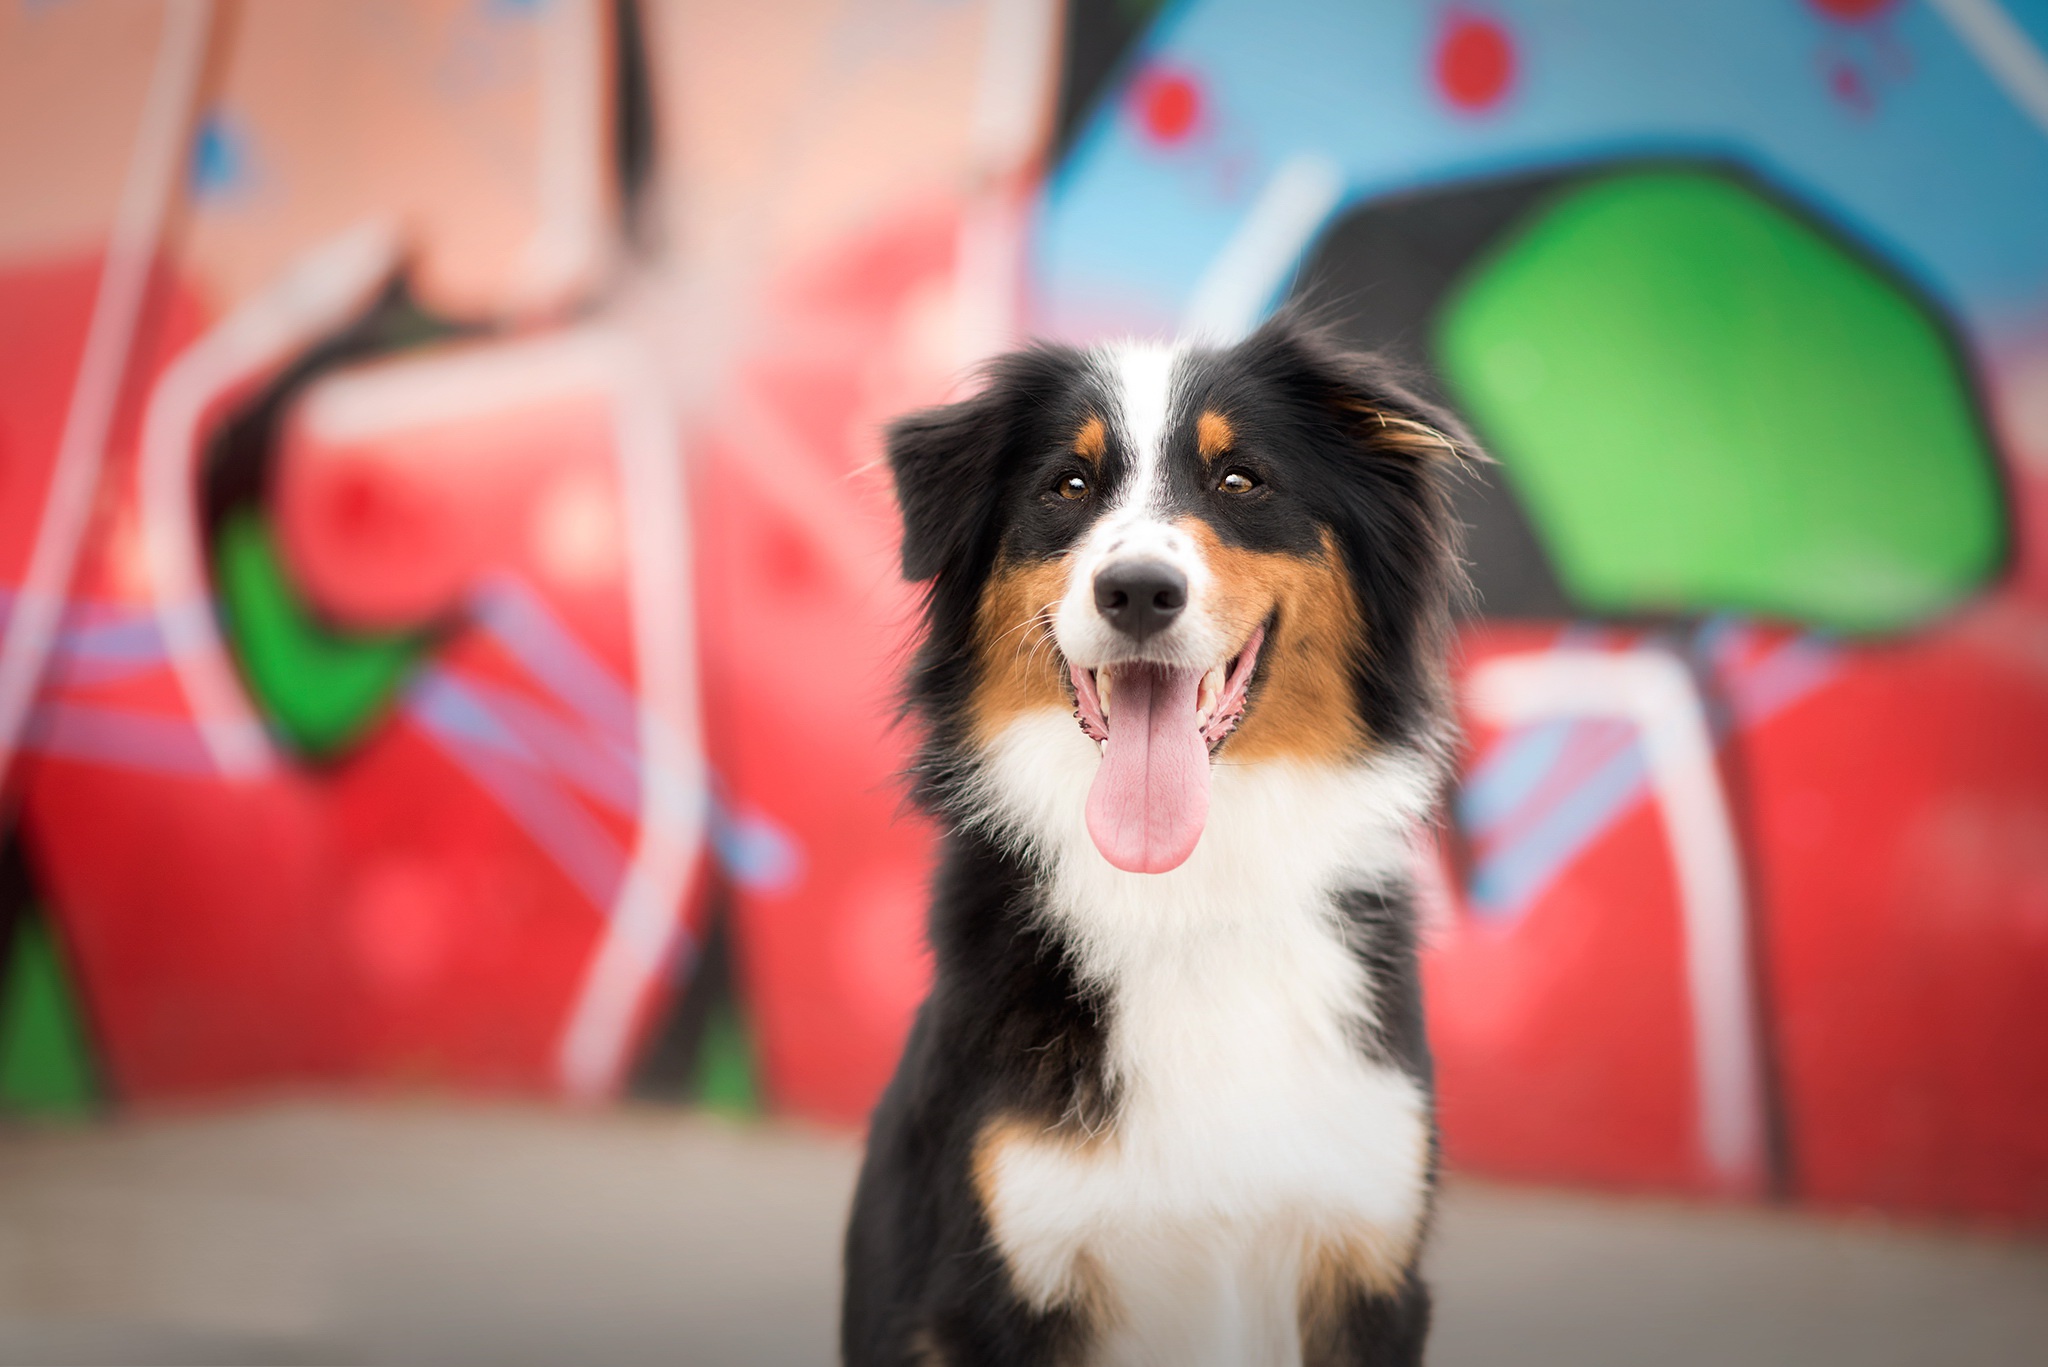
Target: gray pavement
444, 1235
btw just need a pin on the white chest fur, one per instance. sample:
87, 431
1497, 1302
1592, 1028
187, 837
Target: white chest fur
1252, 1138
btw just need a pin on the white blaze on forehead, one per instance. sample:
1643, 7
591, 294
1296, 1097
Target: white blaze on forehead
1142, 376
1139, 378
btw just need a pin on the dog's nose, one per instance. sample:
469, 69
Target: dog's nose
1140, 598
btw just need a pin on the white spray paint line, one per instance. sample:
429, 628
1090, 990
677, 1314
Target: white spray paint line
153, 168
1231, 297
457, 384
645, 916
988, 248
1654, 693
567, 241
784, 471
319, 294
1019, 50
1012, 111
647, 911
2003, 49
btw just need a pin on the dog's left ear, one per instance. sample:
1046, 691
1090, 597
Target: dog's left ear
1369, 396
950, 463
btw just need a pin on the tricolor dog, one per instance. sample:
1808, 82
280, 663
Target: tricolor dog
1181, 688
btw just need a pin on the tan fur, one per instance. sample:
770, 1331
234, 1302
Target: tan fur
1078, 1143
1087, 1295
925, 1350
1368, 1259
1304, 707
1406, 434
1335, 1272
1092, 440
1019, 666
1213, 434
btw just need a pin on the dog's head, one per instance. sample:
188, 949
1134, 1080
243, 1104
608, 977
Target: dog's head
1237, 555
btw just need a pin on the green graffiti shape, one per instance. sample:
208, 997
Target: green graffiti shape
1706, 405
319, 689
45, 1063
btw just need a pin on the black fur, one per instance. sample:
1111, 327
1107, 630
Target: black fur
1008, 1029
1005, 1027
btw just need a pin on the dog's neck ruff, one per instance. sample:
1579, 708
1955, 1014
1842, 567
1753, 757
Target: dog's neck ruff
1252, 1135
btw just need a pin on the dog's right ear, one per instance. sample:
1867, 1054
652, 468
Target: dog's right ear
946, 464
950, 462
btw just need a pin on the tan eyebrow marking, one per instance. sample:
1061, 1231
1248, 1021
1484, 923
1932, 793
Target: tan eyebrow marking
1213, 434
1092, 440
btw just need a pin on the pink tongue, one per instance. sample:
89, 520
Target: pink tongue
1151, 795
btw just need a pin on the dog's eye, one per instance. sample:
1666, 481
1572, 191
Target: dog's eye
1072, 486
1237, 481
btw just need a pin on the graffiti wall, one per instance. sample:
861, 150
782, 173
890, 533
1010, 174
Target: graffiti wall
448, 608
385, 396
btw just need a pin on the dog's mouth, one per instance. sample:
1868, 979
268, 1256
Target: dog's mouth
1157, 726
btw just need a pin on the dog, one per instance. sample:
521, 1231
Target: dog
1182, 700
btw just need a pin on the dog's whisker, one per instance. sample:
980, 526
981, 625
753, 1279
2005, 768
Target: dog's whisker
1024, 625
1031, 643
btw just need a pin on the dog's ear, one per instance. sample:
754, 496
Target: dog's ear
945, 461
1370, 396
951, 463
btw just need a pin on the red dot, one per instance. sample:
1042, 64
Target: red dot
1475, 62
1169, 105
358, 503
1851, 11
1850, 88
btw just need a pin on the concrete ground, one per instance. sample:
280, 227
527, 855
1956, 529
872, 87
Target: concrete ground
504, 1237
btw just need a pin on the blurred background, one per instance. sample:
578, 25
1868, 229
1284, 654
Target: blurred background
456, 901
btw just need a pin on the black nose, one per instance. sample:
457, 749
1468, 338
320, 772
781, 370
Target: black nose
1141, 597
